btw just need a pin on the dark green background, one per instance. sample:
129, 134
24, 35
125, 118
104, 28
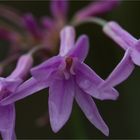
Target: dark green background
123, 115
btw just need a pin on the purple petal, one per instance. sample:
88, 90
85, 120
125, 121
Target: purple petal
90, 110
135, 54
44, 70
59, 8
7, 122
81, 48
8, 135
48, 23
23, 66
27, 88
30, 23
67, 40
96, 8
61, 97
10, 84
121, 72
119, 35
89, 82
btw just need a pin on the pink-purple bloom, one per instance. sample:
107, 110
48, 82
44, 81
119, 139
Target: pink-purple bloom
68, 77
8, 86
96, 8
47, 33
124, 40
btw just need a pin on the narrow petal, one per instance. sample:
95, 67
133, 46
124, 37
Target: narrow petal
24, 64
90, 110
81, 48
10, 83
121, 72
44, 70
89, 82
119, 35
67, 40
8, 135
59, 8
27, 88
7, 122
31, 25
96, 8
135, 54
47, 22
61, 97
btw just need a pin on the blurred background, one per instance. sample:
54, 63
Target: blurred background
122, 116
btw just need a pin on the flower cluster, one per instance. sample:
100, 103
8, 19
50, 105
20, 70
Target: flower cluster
64, 73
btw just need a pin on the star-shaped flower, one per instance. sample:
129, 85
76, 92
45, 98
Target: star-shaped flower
68, 77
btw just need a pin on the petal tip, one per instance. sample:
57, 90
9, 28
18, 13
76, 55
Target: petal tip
56, 128
106, 131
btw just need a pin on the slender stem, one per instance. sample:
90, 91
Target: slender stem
96, 20
35, 49
38, 48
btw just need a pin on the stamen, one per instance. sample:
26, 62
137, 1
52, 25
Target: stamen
69, 61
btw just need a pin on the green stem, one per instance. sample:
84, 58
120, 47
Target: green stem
95, 20
38, 48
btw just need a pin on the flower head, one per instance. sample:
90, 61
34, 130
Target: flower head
124, 40
68, 77
8, 86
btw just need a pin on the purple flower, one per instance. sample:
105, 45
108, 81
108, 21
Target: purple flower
59, 10
68, 77
124, 40
96, 8
47, 33
7, 87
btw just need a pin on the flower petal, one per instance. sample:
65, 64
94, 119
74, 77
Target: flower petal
67, 40
44, 70
96, 8
81, 48
135, 54
119, 35
121, 72
24, 64
89, 82
7, 122
31, 25
47, 22
27, 88
61, 95
10, 84
59, 8
90, 110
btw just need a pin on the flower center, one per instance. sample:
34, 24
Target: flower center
69, 67
69, 62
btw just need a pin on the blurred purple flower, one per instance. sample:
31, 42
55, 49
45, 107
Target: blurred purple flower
47, 34
7, 87
31, 25
124, 40
67, 76
59, 10
96, 8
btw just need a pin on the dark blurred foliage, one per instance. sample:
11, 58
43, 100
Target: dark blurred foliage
123, 115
